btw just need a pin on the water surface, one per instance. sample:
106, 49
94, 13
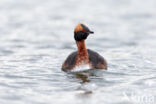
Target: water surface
37, 36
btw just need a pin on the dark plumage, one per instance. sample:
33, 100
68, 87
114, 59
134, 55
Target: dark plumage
96, 60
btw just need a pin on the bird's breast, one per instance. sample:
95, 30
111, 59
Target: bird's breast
81, 67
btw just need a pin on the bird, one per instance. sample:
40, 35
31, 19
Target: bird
83, 57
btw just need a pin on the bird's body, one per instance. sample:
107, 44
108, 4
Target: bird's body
95, 61
83, 58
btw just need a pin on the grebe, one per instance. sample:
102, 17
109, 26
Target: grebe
83, 58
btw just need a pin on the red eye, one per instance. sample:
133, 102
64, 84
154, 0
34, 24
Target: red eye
83, 30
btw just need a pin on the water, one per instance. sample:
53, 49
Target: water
37, 36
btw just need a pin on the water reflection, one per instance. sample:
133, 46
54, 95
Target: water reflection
85, 80
82, 77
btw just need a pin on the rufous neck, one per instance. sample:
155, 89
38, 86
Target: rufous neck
82, 57
81, 46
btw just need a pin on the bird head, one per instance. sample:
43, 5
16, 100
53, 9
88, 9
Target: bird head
81, 32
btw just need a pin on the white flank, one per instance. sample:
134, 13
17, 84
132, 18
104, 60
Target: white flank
81, 68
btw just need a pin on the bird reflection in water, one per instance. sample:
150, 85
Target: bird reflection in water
84, 77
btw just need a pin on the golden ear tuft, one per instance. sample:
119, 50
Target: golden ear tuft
78, 28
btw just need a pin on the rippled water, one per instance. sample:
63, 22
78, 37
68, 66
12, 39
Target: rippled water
37, 36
